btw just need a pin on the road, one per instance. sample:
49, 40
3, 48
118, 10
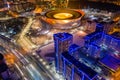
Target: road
23, 40
29, 67
5, 18
25, 30
26, 44
38, 68
43, 64
34, 73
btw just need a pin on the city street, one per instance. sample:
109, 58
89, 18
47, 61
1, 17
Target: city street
23, 40
31, 67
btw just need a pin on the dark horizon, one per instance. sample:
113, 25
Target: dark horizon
95, 5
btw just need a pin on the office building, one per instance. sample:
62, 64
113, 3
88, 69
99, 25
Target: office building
111, 41
93, 37
82, 63
74, 50
75, 70
62, 41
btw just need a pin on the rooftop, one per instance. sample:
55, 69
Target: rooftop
73, 47
63, 36
111, 62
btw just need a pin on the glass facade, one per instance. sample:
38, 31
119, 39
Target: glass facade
62, 41
75, 70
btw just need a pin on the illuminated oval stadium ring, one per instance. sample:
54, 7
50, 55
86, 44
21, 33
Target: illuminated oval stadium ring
63, 19
63, 14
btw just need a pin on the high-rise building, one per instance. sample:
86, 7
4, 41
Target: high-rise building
111, 41
62, 41
93, 37
73, 69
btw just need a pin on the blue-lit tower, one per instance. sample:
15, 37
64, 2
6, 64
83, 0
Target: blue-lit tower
74, 50
93, 37
62, 41
73, 69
